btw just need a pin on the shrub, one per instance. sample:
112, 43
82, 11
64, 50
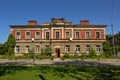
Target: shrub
52, 58
47, 51
62, 58
92, 53
83, 56
66, 55
42, 56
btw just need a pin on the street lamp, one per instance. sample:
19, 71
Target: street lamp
33, 39
33, 56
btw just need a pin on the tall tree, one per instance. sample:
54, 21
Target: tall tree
2, 49
107, 49
10, 45
118, 40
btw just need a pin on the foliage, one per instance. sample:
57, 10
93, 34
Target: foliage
92, 53
40, 56
2, 49
83, 56
107, 49
118, 38
32, 54
42, 51
59, 73
66, 55
116, 41
10, 45
47, 51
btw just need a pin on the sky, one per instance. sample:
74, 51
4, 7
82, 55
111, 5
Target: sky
18, 12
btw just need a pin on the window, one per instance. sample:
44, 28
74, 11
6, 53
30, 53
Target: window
37, 35
67, 35
77, 49
26, 48
47, 35
37, 48
17, 49
87, 35
87, 48
97, 35
17, 35
57, 35
67, 48
77, 35
47, 46
27, 35
98, 48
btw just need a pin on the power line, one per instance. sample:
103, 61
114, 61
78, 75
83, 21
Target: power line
112, 28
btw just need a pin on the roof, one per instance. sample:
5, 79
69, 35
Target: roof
41, 26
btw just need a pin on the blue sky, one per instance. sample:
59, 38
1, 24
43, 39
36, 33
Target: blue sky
18, 12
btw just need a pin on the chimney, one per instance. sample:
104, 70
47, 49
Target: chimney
84, 22
32, 22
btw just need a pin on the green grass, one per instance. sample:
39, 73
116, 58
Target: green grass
59, 73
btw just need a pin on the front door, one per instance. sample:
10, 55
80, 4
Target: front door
57, 51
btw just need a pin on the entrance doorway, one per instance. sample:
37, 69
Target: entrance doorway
57, 51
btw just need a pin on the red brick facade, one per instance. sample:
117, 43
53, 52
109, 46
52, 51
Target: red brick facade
77, 35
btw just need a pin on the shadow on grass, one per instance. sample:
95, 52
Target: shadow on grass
41, 77
11, 69
76, 72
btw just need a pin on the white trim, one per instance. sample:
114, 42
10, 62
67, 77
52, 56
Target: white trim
46, 36
36, 35
79, 35
27, 47
56, 35
99, 34
89, 35
26, 34
16, 35
69, 34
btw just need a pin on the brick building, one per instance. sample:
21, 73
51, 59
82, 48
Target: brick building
61, 36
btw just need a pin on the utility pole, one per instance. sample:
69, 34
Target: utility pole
113, 40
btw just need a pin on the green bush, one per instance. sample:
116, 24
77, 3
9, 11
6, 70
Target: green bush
39, 56
47, 51
66, 55
83, 56
52, 58
62, 58
92, 53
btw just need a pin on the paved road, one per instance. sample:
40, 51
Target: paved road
86, 62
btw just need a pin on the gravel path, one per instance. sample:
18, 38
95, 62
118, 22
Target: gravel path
86, 62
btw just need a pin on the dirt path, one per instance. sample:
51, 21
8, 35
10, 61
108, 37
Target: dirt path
86, 62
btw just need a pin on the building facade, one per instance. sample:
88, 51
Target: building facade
61, 36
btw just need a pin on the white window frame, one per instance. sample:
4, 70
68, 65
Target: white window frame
18, 36
26, 36
76, 34
37, 48
67, 48
27, 48
17, 49
87, 48
98, 48
77, 49
87, 36
37, 36
56, 35
96, 35
67, 37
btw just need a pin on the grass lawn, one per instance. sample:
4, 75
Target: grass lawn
59, 73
